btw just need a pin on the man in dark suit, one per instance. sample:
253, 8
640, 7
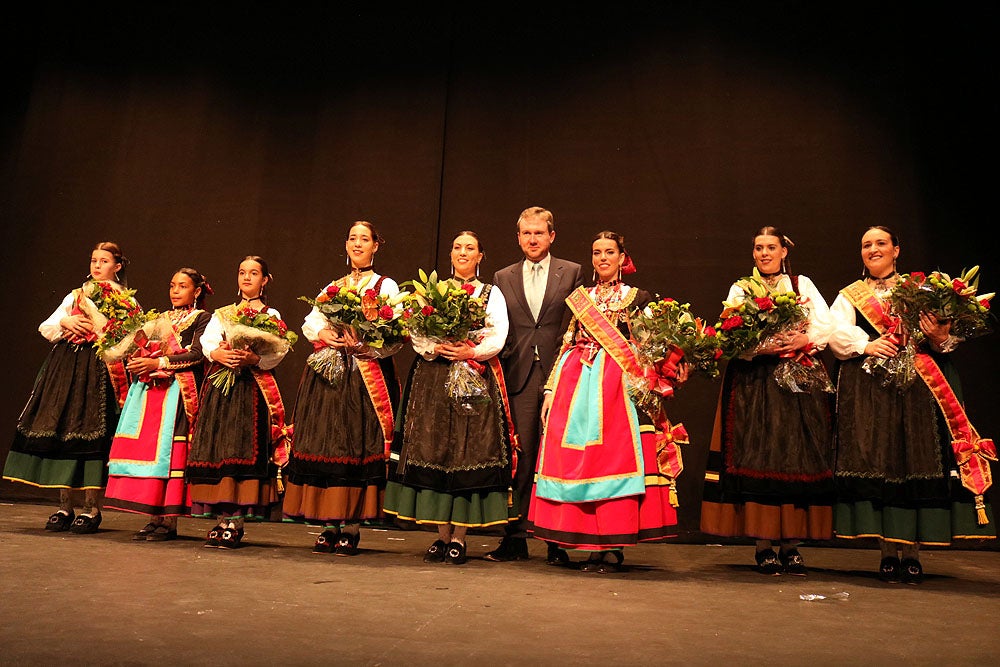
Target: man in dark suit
535, 289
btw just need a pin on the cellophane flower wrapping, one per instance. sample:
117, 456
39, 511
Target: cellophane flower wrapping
666, 333
256, 330
758, 320
467, 389
447, 312
329, 364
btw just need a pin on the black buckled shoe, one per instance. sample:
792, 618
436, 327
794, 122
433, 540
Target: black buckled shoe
85, 524
455, 555
556, 556
325, 543
889, 570
767, 562
347, 545
232, 538
162, 534
214, 537
510, 548
60, 521
793, 562
144, 532
910, 571
435, 552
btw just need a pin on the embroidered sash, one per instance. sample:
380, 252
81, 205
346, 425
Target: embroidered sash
281, 433
972, 453
378, 390
603, 331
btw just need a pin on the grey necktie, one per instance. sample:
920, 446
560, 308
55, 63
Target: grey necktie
535, 290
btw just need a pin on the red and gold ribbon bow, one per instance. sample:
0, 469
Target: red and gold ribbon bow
668, 454
147, 349
281, 438
661, 376
802, 356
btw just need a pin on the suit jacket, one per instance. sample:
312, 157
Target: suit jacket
525, 334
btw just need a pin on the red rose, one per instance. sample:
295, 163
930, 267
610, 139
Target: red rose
918, 277
764, 302
333, 290
731, 323
709, 331
469, 289
985, 304
282, 327
669, 300
958, 285
386, 312
427, 310
408, 313
718, 353
370, 293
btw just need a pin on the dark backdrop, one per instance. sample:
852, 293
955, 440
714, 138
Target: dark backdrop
197, 134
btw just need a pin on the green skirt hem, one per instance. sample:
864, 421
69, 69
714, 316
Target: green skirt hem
471, 509
55, 473
931, 525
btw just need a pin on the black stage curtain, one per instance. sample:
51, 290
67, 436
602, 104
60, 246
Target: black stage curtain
195, 135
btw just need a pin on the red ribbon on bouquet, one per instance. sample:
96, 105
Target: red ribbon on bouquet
475, 365
895, 333
147, 349
660, 377
802, 356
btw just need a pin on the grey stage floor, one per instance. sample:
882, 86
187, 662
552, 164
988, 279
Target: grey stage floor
103, 599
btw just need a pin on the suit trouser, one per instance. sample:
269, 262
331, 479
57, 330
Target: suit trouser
526, 410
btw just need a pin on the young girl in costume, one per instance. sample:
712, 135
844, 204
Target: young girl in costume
337, 472
230, 467
64, 432
150, 448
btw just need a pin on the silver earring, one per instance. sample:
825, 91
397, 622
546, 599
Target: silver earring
477, 270
452, 269
595, 276
348, 262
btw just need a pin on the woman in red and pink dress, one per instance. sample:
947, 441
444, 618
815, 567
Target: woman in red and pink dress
598, 487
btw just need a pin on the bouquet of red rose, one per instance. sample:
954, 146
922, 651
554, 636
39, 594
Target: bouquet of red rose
665, 334
374, 318
447, 312
116, 316
946, 298
759, 319
250, 329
